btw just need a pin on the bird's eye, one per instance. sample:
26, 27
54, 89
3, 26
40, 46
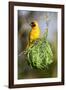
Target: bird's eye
32, 22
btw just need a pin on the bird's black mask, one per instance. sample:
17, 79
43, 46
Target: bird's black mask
33, 24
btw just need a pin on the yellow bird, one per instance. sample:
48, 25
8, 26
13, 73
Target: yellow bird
35, 32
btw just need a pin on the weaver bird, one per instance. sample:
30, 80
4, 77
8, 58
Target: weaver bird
35, 32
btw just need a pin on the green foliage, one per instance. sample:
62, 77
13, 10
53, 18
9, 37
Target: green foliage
40, 55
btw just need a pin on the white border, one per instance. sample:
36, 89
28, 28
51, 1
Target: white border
43, 80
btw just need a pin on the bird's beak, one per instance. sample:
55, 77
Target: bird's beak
31, 24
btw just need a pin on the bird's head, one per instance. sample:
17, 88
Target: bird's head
34, 24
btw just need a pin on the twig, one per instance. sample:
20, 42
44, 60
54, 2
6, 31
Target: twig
23, 52
20, 53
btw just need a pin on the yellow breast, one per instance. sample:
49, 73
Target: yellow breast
34, 34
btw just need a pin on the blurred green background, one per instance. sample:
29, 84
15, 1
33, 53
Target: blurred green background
24, 20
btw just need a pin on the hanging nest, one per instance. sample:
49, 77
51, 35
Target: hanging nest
40, 55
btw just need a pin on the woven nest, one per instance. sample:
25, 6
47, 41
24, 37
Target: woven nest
40, 55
